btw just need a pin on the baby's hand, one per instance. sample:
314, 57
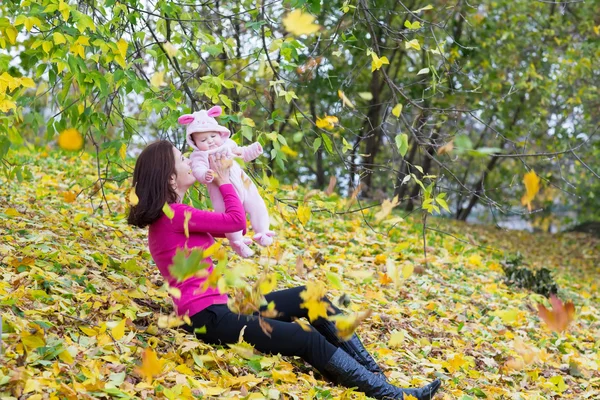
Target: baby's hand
210, 175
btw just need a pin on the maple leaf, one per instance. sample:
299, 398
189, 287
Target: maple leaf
532, 187
70, 139
187, 263
447, 148
69, 196
386, 208
314, 301
151, 365
300, 23
560, 317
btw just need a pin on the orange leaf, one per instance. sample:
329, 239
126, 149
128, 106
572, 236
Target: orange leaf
151, 365
561, 315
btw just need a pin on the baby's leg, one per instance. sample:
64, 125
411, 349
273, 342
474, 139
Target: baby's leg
259, 216
238, 243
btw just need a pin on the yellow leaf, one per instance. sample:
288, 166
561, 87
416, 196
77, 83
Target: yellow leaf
407, 270
327, 122
122, 46
559, 383
346, 324
32, 341
397, 110
133, 199
119, 330
507, 316
413, 44
88, 331
303, 212
597, 29
414, 25
290, 152
158, 79
427, 7
314, 302
345, 100
65, 357
284, 376
151, 365
69, 196
175, 292
170, 49
299, 23
456, 363
386, 208
70, 139
168, 211
268, 283
6, 105
396, 339
11, 33
47, 46
532, 187
377, 62
409, 397
27, 82
186, 221
64, 9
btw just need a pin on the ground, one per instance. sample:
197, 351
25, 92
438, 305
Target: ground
80, 300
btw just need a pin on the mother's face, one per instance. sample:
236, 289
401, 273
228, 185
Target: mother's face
183, 170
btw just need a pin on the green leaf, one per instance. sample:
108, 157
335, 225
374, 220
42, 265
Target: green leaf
187, 265
334, 279
168, 211
402, 143
327, 143
317, 144
462, 143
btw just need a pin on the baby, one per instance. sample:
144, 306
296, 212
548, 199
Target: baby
206, 136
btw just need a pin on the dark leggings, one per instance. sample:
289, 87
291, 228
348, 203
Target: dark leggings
287, 337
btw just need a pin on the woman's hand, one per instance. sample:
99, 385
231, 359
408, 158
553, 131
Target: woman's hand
220, 167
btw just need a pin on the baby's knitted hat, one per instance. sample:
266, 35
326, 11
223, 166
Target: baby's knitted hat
203, 121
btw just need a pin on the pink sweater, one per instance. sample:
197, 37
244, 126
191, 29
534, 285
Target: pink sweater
165, 236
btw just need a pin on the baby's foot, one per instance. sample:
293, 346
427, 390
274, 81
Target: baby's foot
264, 239
242, 249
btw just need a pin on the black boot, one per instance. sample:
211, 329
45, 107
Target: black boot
345, 370
353, 347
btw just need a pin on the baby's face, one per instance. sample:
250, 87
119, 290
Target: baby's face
207, 140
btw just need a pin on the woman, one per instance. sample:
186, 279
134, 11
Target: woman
162, 175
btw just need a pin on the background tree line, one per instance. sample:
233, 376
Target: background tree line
445, 104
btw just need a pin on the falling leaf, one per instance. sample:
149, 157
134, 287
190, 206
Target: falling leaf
151, 365
427, 7
331, 187
70, 139
327, 122
397, 110
300, 23
346, 324
402, 143
303, 212
407, 270
186, 223
377, 62
414, 25
133, 199
447, 148
413, 44
168, 211
158, 79
267, 283
423, 71
386, 208
187, 263
290, 152
314, 302
560, 317
532, 187
384, 279
345, 100
170, 49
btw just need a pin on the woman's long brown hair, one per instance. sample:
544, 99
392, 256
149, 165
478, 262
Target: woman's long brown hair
151, 179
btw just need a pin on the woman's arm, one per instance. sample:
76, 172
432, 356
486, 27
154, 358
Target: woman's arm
217, 224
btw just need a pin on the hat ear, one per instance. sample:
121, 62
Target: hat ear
185, 119
215, 111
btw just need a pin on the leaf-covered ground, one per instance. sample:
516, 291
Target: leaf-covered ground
80, 300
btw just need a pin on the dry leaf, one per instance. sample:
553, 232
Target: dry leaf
560, 317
